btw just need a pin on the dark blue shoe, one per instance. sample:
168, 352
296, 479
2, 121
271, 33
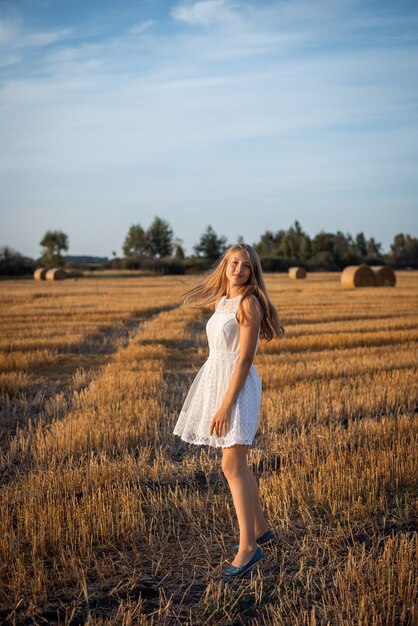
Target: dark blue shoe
232, 572
267, 537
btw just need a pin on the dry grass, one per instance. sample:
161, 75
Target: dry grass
107, 518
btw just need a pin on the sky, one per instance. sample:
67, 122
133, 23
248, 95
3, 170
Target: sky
243, 114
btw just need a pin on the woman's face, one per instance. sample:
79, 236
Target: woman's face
238, 268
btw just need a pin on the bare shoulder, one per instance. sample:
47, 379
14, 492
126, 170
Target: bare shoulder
252, 308
251, 304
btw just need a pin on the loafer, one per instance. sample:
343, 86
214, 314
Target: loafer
233, 572
267, 537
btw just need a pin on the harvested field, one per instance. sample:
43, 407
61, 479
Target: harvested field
108, 518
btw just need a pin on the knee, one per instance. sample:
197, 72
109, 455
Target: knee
232, 467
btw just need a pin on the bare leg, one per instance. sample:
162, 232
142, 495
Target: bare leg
245, 497
260, 525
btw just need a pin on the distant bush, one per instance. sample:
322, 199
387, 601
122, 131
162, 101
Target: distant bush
114, 264
196, 264
85, 267
12, 263
130, 263
164, 265
276, 263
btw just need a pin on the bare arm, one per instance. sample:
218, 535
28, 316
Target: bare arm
248, 344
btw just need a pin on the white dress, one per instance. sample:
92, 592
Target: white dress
211, 383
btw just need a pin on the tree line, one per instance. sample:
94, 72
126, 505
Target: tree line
157, 249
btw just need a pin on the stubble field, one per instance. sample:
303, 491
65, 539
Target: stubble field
108, 518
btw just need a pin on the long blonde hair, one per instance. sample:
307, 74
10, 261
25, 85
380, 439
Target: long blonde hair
215, 285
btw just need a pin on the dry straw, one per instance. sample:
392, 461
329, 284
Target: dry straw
40, 273
385, 276
297, 272
358, 276
57, 273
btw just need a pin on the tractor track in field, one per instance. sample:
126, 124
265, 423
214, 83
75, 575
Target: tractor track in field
181, 365
53, 400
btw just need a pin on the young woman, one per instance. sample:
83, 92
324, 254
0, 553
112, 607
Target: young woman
223, 403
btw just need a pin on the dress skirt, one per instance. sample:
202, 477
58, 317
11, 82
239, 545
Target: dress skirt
205, 397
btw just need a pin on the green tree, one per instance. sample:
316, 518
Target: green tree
404, 250
160, 238
398, 247
278, 238
178, 248
12, 263
305, 248
360, 245
288, 246
323, 250
136, 242
342, 253
267, 244
210, 245
294, 243
374, 249
54, 242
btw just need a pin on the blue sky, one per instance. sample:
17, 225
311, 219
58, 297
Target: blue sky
240, 114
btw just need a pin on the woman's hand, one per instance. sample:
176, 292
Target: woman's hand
220, 421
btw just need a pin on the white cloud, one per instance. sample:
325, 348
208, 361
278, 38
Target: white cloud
264, 110
8, 31
41, 39
14, 37
141, 27
11, 59
205, 12
74, 60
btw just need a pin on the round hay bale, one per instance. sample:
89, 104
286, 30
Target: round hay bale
57, 273
358, 276
297, 272
385, 276
40, 273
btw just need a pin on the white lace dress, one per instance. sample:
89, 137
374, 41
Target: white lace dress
211, 383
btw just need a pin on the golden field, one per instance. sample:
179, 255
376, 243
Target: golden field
108, 518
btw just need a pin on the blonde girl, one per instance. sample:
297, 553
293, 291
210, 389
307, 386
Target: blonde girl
223, 403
